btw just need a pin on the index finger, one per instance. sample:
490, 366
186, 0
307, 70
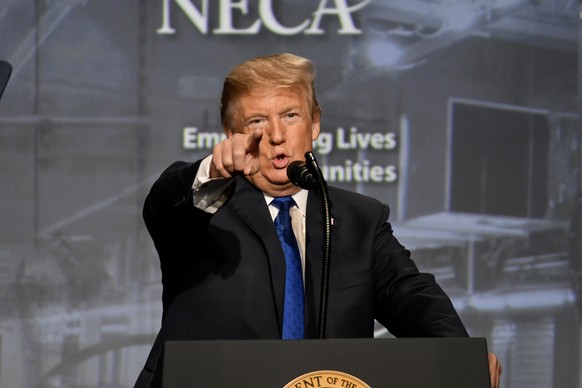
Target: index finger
254, 139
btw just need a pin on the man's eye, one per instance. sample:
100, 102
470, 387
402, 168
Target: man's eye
256, 123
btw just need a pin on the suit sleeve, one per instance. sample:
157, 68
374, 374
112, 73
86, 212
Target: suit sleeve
175, 226
170, 196
408, 303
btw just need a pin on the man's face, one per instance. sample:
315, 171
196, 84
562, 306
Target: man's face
288, 132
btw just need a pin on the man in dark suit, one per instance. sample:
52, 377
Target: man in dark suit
223, 267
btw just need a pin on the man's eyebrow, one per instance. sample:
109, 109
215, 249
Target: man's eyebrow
258, 113
290, 108
250, 114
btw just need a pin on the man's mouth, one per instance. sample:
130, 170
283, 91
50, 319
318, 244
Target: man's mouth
280, 161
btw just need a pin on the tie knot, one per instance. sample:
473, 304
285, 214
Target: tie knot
283, 203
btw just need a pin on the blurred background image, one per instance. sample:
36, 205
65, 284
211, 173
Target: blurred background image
462, 115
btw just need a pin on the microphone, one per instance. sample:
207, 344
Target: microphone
299, 174
307, 174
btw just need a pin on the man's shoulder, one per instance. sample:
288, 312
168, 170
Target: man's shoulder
181, 165
353, 198
178, 176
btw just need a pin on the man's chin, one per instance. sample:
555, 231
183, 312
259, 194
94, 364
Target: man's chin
273, 185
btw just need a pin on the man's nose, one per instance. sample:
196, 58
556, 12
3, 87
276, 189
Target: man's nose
276, 132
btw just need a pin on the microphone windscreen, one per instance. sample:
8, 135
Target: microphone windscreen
299, 175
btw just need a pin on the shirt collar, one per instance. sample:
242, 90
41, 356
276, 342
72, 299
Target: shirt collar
300, 199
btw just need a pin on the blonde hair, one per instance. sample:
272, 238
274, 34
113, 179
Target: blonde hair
278, 71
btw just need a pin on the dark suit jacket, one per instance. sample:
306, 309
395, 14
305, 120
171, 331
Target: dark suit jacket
223, 275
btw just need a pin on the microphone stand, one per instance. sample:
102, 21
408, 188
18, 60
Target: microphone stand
309, 176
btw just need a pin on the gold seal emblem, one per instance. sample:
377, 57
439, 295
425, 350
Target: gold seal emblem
326, 379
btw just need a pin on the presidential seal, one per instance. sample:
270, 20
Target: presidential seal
326, 379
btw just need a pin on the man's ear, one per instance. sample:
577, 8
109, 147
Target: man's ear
229, 132
316, 125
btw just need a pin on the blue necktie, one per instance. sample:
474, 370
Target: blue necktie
294, 307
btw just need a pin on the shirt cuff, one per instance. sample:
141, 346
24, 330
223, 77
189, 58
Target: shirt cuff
209, 193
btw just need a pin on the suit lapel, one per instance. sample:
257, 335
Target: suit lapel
249, 204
